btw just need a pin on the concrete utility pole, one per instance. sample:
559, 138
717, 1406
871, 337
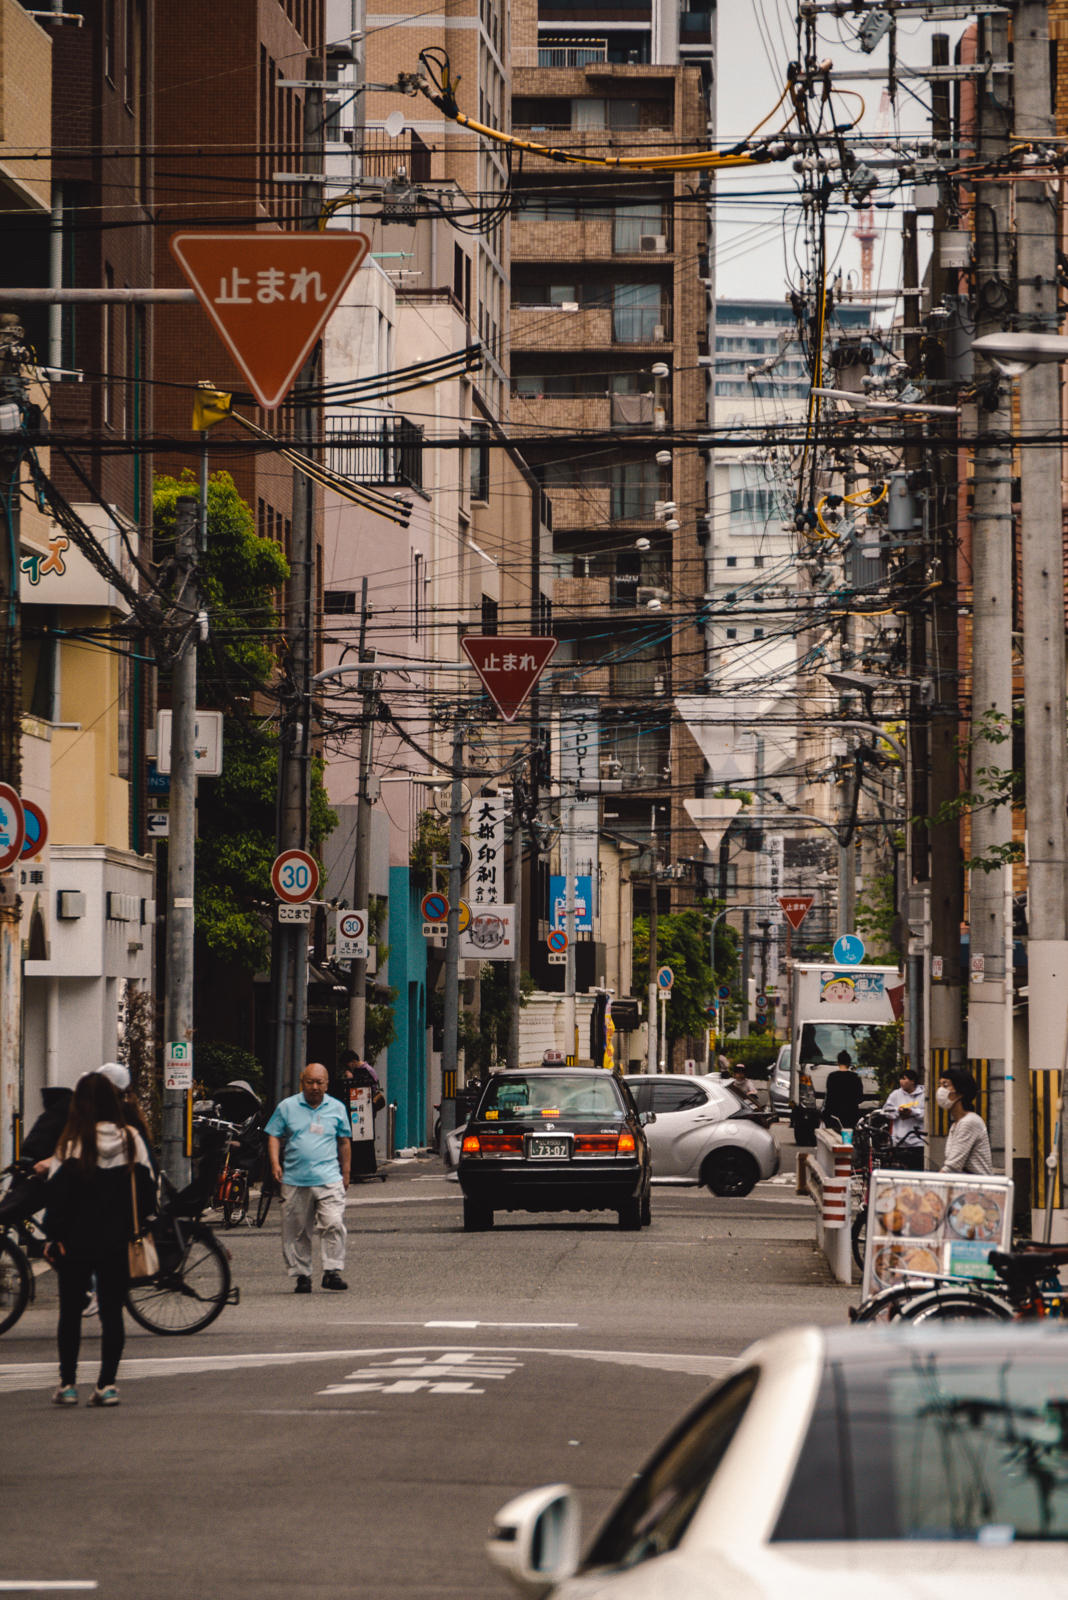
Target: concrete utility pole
943, 740
291, 939
990, 1002
362, 870
12, 353
1043, 564
515, 966
567, 852
450, 1053
178, 1001
654, 909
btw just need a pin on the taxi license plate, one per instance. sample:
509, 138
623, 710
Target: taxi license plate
543, 1146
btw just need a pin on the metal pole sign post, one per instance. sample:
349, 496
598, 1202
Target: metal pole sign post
664, 980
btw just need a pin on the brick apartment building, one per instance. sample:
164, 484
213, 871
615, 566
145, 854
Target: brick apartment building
610, 314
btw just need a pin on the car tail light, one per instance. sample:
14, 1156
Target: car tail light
492, 1144
596, 1144
626, 1145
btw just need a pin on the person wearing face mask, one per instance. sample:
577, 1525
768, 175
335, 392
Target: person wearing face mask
968, 1143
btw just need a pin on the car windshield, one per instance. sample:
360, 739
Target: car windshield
822, 1041
543, 1094
970, 1447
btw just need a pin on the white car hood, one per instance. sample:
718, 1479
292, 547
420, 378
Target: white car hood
894, 1570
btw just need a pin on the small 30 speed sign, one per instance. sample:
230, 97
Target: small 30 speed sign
351, 936
294, 876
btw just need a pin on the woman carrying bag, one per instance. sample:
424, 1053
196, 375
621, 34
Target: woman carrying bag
100, 1179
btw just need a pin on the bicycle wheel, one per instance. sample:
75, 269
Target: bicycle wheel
961, 1305
264, 1205
189, 1290
235, 1206
15, 1284
887, 1304
860, 1237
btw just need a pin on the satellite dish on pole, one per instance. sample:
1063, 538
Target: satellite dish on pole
394, 124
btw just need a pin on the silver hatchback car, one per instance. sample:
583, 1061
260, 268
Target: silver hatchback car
704, 1133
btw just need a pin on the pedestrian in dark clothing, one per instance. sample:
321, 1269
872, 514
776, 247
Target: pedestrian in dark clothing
359, 1074
89, 1223
26, 1194
844, 1093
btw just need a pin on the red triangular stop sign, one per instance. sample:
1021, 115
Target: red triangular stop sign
509, 666
795, 908
269, 295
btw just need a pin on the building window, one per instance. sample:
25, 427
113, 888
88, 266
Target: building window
758, 633
480, 462
637, 222
732, 633
732, 561
340, 602
417, 593
489, 614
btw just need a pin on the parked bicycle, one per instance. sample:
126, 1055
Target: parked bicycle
188, 1292
1029, 1289
873, 1148
230, 1191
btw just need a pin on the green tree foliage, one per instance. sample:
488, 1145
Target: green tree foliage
240, 574
875, 916
682, 939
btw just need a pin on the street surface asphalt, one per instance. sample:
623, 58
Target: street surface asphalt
358, 1444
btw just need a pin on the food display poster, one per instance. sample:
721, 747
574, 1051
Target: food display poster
940, 1223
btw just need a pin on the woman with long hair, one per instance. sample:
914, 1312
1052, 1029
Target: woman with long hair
89, 1223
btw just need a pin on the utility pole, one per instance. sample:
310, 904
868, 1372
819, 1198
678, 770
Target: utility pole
1043, 563
450, 1052
945, 870
990, 1003
12, 353
567, 841
362, 872
294, 779
178, 1000
654, 909
515, 966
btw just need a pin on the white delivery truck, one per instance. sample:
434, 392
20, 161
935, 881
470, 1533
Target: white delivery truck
834, 1008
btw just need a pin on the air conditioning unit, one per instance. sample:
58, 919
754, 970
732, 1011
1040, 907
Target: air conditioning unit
653, 243
659, 334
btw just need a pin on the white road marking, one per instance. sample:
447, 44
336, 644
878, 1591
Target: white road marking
38, 1585
500, 1324
30, 1375
448, 1374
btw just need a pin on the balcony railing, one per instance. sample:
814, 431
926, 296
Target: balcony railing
389, 452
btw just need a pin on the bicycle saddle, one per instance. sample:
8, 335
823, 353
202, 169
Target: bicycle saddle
1030, 1268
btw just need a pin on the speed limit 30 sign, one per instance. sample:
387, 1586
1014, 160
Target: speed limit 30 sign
351, 936
295, 876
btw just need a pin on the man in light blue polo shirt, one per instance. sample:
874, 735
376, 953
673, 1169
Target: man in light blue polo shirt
313, 1177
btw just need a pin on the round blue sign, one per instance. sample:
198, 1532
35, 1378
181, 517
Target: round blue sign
665, 978
848, 950
724, 991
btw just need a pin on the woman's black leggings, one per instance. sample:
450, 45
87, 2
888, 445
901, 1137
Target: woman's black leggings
112, 1278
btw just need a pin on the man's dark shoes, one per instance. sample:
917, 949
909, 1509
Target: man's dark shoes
333, 1280
303, 1286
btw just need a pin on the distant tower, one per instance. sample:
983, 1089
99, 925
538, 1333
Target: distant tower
867, 233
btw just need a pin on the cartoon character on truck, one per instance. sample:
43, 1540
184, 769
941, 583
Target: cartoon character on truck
835, 1009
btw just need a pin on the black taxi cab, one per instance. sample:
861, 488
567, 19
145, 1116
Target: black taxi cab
555, 1139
